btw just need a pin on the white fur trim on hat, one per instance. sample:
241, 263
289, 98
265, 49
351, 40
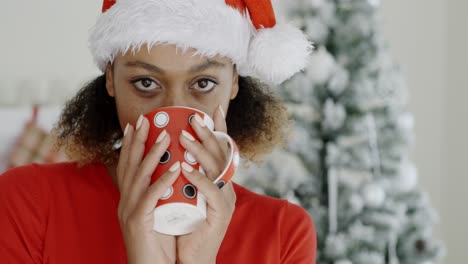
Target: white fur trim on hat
277, 53
209, 26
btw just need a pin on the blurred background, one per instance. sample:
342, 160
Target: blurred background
45, 60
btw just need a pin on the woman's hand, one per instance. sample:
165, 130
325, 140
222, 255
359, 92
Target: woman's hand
137, 200
201, 246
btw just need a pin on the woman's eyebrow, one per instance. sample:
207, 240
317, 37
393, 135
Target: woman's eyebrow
206, 65
147, 66
194, 69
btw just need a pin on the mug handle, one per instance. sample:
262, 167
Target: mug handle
233, 160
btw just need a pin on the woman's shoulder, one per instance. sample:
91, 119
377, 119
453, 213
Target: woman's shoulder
33, 169
29, 174
277, 221
49, 168
269, 206
36, 175
246, 196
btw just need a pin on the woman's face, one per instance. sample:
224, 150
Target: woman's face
164, 76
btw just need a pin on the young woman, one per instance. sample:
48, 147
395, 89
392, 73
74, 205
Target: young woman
155, 53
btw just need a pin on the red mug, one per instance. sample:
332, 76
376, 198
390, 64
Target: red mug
182, 208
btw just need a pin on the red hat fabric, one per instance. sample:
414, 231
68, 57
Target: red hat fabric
107, 4
246, 31
261, 13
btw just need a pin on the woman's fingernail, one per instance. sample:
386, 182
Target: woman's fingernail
175, 166
161, 136
140, 120
117, 144
199, 120
187, 135
126, 129
187, 167
222, 111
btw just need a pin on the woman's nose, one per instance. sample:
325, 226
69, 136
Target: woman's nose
175, 97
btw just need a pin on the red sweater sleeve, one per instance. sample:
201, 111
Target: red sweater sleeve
23, 215
298, 237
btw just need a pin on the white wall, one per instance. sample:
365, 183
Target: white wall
46, 39
429, 39
416, 31
45, 59
455, 180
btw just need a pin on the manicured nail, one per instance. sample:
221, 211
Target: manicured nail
199, 120
140, 120
187, 167
126, 129
187, 135
161, 136
174, 166
117, 144
222, 111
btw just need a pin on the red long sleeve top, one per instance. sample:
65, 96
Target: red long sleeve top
62, 213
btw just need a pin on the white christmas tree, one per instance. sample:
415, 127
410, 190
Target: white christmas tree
347, 160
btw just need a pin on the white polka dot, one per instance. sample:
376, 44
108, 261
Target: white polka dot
189, 158
221, 184
190, 191
161, 119
118, 144
168, 193
165, 158
190, 118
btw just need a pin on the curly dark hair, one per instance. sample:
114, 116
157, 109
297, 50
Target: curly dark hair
88, 126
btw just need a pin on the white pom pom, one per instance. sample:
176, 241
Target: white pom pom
277, 53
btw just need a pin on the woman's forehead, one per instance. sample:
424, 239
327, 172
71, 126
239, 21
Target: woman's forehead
168, 56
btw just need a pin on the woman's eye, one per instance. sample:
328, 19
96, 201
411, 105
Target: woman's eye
204, 85
145, 84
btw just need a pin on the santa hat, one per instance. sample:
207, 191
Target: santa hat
243, 30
